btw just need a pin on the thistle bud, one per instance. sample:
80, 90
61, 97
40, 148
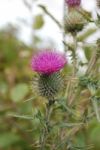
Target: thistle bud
74, 22
50, 85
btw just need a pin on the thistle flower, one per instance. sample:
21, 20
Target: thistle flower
48, 62
73, 3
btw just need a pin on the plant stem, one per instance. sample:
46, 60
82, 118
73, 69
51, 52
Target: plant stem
74, 55
92, 63
64, 33
72, 86
50, 15
47, 125
96, 109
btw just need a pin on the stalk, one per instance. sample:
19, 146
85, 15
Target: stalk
47, 125
96, 109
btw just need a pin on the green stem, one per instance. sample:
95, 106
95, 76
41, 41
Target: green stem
50, 15
47, 126
74, 55
71, 93
96, 109
64, 33
92, 62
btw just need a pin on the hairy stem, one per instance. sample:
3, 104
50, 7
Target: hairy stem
74, 55
92, 63
71, 93
47, 126
96, 109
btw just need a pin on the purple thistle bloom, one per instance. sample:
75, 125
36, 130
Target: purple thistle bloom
48, 62
73, 3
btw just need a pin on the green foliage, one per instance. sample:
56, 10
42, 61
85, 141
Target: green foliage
86, 34
3, 88
38, 22
13, 90
19, 92
7, 139
88, 51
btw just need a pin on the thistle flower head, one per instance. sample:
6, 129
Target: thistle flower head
48, 62
73, 3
